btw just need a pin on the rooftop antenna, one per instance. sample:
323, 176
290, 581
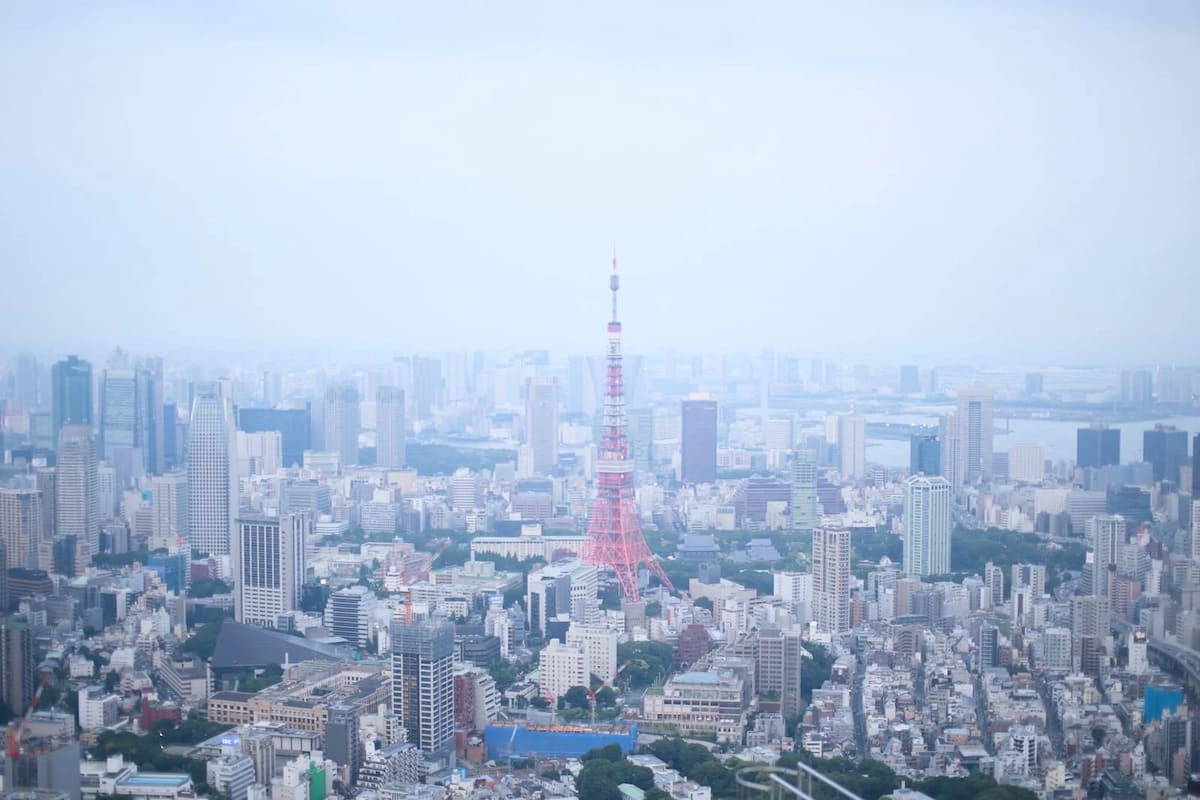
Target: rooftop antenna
614, 282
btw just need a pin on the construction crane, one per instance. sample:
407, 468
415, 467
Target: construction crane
16, 730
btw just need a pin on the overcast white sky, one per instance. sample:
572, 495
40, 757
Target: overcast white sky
920, 181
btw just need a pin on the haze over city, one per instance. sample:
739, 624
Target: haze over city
966, 182
634, 401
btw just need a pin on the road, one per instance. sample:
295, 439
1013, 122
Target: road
856, 705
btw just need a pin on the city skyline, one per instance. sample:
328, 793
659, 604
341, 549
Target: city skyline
747, 165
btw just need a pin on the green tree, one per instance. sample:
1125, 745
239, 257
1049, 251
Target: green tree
605, 769
606, 697
202, 643
643, 664
575, 697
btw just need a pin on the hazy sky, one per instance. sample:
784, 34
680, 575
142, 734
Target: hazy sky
975, 181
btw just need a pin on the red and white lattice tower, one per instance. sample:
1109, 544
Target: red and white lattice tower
614, 538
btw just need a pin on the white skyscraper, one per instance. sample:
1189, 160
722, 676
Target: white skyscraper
77, 504
260, 452
269, 567
541, 421
975, 433
389, 427
211, 474
21, 527
1027, 463
804, 490
831, 578
852, 444
1106, 534
342, 423
927, 523
169, 505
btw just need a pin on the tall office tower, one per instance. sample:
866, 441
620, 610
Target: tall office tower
1166, 448
1035, 384
169, 507
341, 739
21, 528
47, 484
581, 393
17, 663
389, 427
975, 433
25, 394
1097, 446
119, 426
1137, 386
211, 476
259, 453
427, 386
1031, 575
1027, 463
172, 446
948, 452
1106, 534
1196, 467
927, 523
831, 578
989, 646
71, 393
348, 614
77, 503
1089, 617
269, 571
4, 605
541, 421
852, 444
614, 538
698, 445
153, 428
910, 381
804, 490
993, 578
778, 666
1137, 643
924, 454
423, 683
342, 423
641, 438
293, 424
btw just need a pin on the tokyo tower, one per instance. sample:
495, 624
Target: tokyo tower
614, 538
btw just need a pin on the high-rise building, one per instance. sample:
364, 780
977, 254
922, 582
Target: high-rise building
949, 449
1031, 575
1027, 463
1035, 384
993, 578
831, 578
924, 453
600, 649
778, 665
804, 490
22, 526
77, 504
17, 663
211, 475
698, 441
342, 423
541, 421
428, 387
641, 438
348, 613
975, 433
423, 683
989, 646
1166, 449
852, 444
169, 507
389, 427
71, 393
1097, 446
1196, 468
341, 739
1106, 534
927, 524
269, 568
1137, 386
561, 667
910, 381
25, 389
293, 424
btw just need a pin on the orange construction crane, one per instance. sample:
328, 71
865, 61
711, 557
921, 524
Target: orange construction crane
16, 730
